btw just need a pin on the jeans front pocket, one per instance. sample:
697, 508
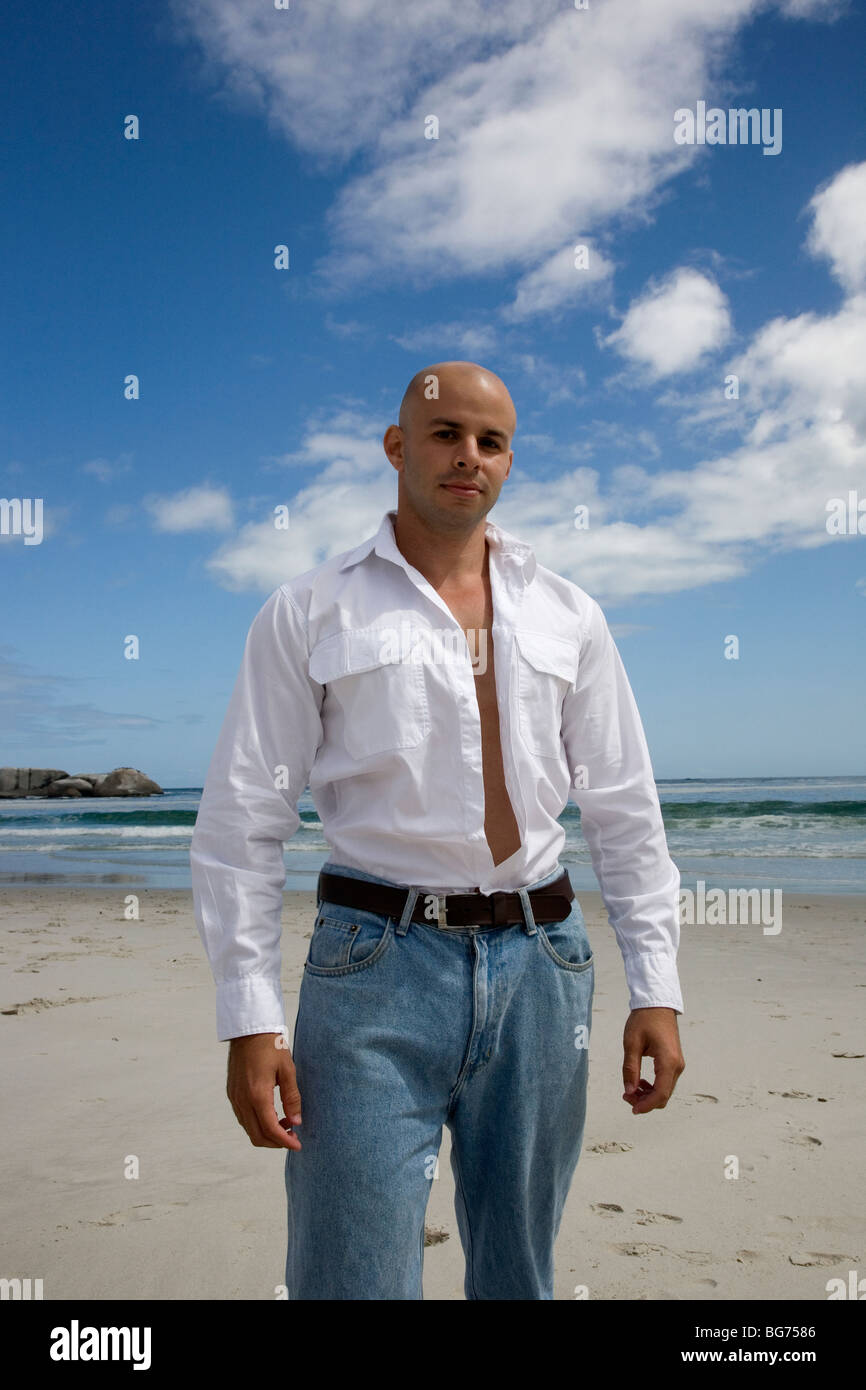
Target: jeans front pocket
346, 940
567, 942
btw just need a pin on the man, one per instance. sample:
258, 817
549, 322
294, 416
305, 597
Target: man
444, 695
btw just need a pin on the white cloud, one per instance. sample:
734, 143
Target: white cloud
812, 9
350, 328
802, 417
552, 137
331, 77
105, 470
560, 281
674, 324
347, 443
802, 411
354, 485
324, 520
201, 508
552, 121
471, 339
839, 225
613, 559
801, 423
556, 382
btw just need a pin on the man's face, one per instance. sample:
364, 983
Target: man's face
453, 455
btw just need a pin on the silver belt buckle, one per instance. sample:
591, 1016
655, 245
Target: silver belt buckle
439, 914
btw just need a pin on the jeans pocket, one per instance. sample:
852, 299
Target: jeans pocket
346, 940
567, 942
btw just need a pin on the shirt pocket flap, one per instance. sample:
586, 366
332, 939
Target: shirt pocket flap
349, 653
377, 702
549, 654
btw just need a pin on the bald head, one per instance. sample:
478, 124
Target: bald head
452, 447
456, 379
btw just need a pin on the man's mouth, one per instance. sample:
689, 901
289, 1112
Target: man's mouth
463, 489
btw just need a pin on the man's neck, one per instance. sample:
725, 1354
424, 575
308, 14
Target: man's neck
447, 560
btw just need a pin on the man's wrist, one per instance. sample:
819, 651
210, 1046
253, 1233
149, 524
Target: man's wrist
263, 1033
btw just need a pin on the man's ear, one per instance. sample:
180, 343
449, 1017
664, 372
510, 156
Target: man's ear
392, 443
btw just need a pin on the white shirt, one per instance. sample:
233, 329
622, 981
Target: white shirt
357, 678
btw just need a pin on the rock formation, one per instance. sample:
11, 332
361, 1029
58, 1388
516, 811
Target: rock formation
39, 781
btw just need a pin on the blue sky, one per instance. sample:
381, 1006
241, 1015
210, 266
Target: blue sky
260, 387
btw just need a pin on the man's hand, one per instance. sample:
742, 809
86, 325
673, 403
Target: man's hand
257, 1064
651, 1033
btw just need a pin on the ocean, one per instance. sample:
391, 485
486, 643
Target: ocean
800, 834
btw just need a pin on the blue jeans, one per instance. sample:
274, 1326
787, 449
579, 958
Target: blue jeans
403, 1028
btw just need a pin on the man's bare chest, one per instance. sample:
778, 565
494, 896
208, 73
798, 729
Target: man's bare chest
474, 612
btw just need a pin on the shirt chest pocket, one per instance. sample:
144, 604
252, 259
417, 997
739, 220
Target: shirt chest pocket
546, 671
382, 701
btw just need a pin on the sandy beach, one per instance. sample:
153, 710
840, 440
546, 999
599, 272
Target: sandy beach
110, 1056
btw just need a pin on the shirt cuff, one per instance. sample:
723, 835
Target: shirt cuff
250, 1005
653, 980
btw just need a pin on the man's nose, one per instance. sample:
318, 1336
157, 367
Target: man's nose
468, 454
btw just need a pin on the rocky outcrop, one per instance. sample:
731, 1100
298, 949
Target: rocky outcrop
127, 781
27, 781
70, 786
37, 781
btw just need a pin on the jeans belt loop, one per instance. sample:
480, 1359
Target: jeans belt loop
408, 908
528, 915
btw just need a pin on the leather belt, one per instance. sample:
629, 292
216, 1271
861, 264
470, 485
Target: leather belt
550, 903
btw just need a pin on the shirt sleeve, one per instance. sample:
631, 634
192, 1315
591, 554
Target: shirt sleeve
612, 784
248, 809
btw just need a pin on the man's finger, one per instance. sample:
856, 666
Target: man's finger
273, 1135
656, 1097
631, 1068
249, 1121
290, 1096
642, 1089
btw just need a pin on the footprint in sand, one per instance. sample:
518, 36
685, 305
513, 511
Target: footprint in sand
646, 1218
698, 1095
35, 1006
142, 1211
606, 1208
811, 1258
610, 1146
805, 1141
846, 1054
434, 1235
639, 1248
792, 1095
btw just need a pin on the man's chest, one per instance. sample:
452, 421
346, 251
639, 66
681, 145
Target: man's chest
473, 610
394, 665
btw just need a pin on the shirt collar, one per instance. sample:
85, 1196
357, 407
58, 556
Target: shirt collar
507, 546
